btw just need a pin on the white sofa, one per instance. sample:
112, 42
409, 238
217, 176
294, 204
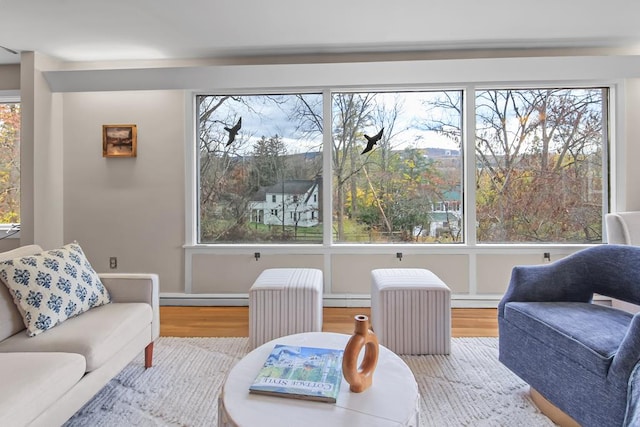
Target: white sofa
49, 377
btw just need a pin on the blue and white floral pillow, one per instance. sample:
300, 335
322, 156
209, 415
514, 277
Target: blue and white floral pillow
52, 286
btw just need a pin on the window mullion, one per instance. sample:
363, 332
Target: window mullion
469, 153
327, 171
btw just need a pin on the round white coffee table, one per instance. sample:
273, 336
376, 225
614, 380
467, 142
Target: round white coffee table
392, 400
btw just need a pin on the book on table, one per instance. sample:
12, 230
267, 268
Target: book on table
297, 372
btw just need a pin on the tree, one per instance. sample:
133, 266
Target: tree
539, 160
542, 146
231, 174
268, 161
10, 163
385, 115
218, 164
386, 190
352, 112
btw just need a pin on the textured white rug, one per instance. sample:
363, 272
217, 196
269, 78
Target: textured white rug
469, 387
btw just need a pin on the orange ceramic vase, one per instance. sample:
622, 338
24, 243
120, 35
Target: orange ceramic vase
360, 378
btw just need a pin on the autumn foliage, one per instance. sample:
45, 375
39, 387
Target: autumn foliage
10, 163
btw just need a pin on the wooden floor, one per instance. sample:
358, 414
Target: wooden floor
234, 321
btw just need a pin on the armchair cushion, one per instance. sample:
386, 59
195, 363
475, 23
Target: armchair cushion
589, 334
52, 286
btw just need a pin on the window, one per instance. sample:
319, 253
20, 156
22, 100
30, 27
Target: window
393, 193
9, 164
258, 153
539, 156
537, 168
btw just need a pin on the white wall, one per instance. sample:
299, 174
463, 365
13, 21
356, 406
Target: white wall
41, 207
131, 208
629, 154
9, 77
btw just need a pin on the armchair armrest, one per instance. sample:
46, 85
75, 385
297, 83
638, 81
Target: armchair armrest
124, 287
610, 270
628, 354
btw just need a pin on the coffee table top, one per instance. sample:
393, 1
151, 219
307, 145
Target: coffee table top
392, 400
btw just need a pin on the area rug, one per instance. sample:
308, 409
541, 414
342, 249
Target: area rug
469, 387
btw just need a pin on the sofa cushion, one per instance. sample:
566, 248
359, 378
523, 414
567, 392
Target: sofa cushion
97, 335
588, 334
31, 382
52, 286
10, 319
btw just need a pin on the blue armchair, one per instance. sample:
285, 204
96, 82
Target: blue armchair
581, 357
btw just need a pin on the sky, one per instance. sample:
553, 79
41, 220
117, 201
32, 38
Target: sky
260, 118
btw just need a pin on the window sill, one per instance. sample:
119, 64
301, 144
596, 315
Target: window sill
9, 231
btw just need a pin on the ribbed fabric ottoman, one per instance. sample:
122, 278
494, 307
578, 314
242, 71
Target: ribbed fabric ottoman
284, 301
411, 311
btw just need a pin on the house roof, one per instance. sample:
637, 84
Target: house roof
294, 186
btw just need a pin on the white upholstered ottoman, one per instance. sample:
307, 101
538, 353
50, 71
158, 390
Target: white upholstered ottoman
411, 311
284, 301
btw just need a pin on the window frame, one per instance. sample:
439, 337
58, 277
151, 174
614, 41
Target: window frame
10, 230
612, 108
611, 198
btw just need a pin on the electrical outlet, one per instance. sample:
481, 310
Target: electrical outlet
113, 262
547, 256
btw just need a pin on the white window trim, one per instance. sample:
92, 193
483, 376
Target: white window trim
481, 73
468, 150
496, 73
9, 230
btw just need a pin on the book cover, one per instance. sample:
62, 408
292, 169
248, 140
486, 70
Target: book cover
296, 372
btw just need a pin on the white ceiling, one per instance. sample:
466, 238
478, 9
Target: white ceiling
99, 30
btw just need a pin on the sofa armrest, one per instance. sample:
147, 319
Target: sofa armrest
609, 270
139, 287
623, 228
